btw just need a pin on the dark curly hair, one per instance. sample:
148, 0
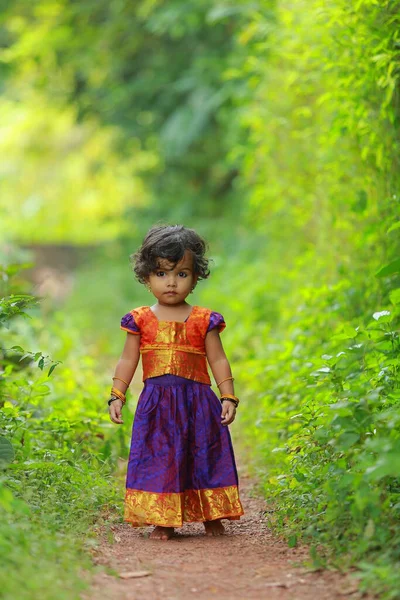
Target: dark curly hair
169, 242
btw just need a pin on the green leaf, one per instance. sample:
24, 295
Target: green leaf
52, 369
41, 363
346, 332
17, 348
346, 440
393, 227
6, 452
393, 362
292, 541
389, 269
387, 465
383, 315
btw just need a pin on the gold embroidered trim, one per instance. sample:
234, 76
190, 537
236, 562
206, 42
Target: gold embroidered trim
172, 509
188, 349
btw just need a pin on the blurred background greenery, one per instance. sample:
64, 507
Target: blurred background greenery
272, 127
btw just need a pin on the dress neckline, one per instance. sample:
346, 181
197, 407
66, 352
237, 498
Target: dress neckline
181, 322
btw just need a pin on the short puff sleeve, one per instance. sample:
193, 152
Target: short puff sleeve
217, 321
129, 324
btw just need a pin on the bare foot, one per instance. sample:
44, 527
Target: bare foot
162, 533
214, 527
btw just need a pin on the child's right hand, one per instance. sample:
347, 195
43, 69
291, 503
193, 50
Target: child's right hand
115, 410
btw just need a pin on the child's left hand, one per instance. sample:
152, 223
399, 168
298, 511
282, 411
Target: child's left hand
228, 412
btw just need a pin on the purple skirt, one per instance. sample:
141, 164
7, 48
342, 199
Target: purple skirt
181, 463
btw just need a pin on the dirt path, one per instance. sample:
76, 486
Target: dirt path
247, 563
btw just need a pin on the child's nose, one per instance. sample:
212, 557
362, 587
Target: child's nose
172, 281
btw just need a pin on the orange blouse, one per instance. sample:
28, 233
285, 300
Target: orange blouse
172, 347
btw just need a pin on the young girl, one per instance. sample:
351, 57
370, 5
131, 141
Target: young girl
181, 463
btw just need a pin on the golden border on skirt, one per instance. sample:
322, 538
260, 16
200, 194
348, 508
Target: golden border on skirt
172, 509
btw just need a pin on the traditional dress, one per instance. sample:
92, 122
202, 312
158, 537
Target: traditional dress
181, 463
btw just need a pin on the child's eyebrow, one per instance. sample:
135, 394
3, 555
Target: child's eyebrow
172, 268
159, 268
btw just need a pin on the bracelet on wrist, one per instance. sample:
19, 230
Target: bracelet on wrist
227, 379
116, 392
230, 400
112, 398
234, 399
123, 380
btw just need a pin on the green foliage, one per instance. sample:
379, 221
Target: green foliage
153, 70
6, 452
71, 171
36, 563
329, 431
55, 468
321, 371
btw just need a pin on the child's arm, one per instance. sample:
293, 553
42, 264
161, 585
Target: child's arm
125, 369
221, 370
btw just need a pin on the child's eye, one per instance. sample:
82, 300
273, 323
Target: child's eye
182, 274
160, 273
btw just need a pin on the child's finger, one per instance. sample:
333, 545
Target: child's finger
118, 414
116, 420
115, 414
228, 413
225, 415
231, 418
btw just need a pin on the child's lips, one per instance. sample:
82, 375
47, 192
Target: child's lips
171, 293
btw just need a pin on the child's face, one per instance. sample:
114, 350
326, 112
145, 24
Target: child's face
171, 285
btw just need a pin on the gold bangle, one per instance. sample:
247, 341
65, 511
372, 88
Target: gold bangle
234, 402
223, 381
119, 378
114, 389
119, 394
230, 397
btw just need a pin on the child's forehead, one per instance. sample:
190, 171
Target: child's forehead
185, 262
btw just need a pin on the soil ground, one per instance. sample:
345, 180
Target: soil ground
249, 562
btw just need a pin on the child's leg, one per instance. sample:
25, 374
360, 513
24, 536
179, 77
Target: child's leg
214, 527
162, 533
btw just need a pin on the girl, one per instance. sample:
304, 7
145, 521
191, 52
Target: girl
181, 464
